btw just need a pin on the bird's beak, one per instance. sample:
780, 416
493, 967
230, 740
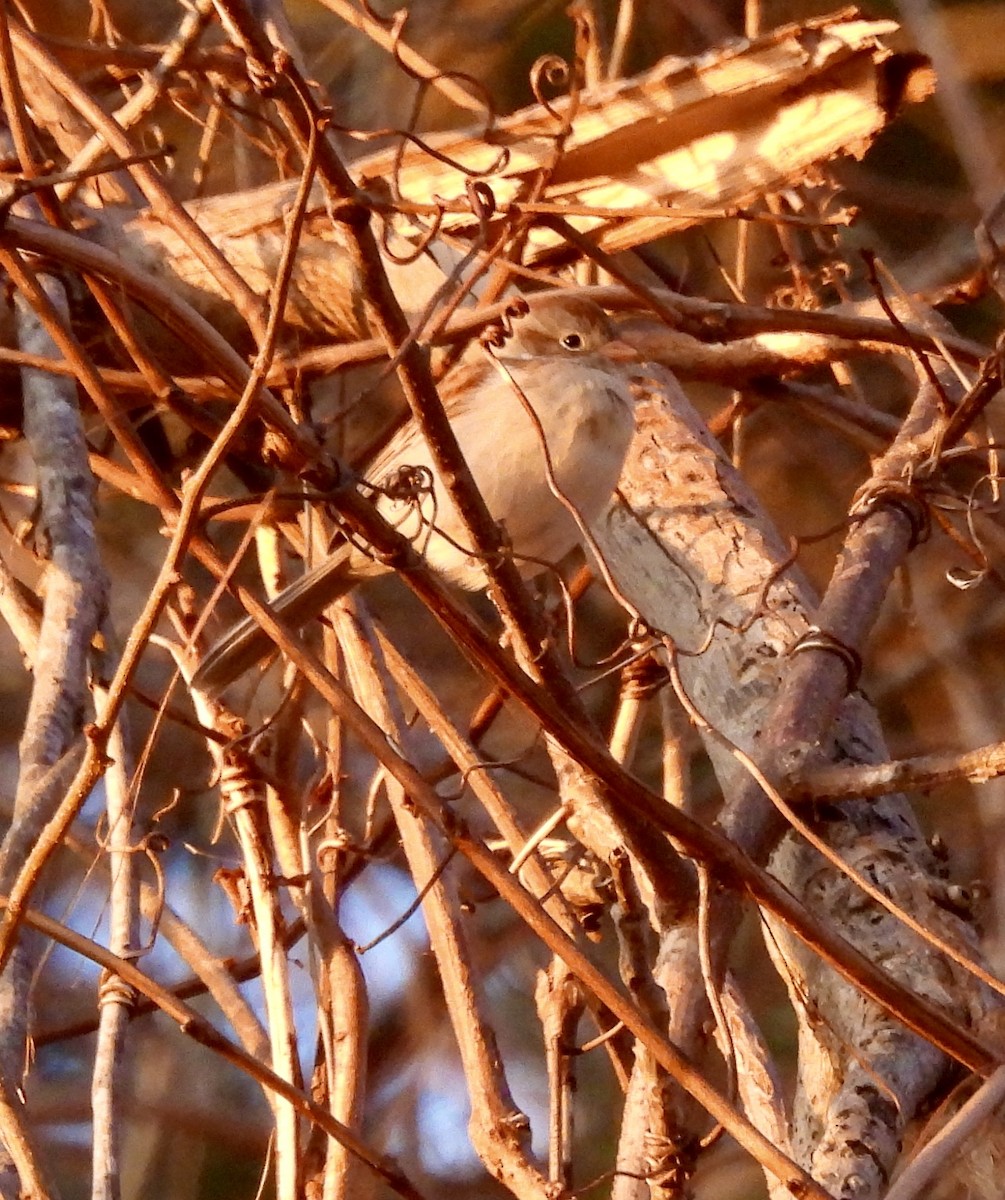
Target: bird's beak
618, 350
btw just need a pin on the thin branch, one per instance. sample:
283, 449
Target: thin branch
196, 1027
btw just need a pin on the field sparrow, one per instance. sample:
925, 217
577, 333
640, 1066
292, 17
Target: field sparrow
565, 358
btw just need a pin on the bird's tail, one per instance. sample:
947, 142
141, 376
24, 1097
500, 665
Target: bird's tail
247, 643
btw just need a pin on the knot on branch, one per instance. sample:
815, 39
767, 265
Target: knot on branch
114, 990
900, 496
643, 677
240, 782
350, 211
816, 638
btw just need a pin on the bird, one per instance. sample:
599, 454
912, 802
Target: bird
565, 360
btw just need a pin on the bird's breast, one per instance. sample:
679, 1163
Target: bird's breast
569, 432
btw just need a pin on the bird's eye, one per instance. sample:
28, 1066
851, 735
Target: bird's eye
572, 341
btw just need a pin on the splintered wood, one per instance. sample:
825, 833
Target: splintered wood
701, 135
645, 156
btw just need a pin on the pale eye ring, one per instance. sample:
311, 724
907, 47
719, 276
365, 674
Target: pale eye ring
572, 341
